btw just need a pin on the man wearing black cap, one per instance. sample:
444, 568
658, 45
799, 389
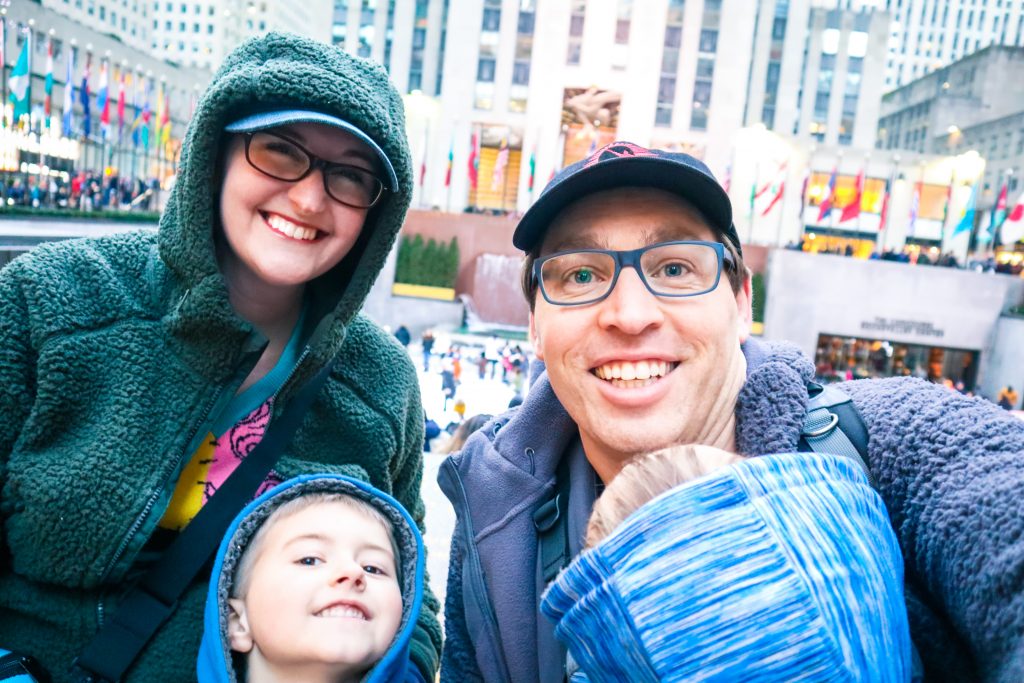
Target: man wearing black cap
640, 310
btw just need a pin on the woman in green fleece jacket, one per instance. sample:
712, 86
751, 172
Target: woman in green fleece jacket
137, 370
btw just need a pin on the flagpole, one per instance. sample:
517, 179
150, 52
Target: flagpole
753, 194
883, 229
3, 77
945, 218
782, 212
423, 164
998, 232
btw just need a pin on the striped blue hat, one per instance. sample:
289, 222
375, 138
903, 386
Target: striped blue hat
777, 568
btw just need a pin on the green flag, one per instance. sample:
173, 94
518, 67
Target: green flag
19, 83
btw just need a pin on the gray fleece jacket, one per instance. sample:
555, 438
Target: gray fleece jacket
949, 468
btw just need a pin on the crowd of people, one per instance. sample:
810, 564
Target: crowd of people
918, 256
85, 190
212, 462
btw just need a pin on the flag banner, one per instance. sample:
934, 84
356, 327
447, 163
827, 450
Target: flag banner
165, 123
533, 170
1013, 227
19, 81
84, 95
120, 105
803, 192
883, 213
103, 101
727, 183
147, 114
998, 216
825, 208
69, 97
915, 209
776, 198
498, 176
48, 86
473, 165
946, 203
451, 159
967, 217
159, 122
3, 65
852, 210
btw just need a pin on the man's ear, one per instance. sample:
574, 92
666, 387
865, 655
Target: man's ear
744, 307
538, 350
239, 634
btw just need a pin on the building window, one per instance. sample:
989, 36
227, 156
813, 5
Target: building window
492, 19
708, 41
485, 70
575, 47
526, 22
521, 73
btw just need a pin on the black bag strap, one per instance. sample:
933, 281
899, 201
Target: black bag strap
833, 425
552, 523
152, 600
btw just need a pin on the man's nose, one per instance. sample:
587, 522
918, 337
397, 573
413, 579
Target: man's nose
631, 307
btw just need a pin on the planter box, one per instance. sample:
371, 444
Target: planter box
423, 292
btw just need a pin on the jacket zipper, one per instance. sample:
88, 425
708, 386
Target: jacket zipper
476, 570
157, 492
291, 373
154, 495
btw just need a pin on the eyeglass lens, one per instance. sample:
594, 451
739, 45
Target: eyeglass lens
669, 269
281, 158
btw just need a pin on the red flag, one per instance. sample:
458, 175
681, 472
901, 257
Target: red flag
1001, 202
423, 170
775, 199
826, 202
1018, 210
852, 210
448, 171
48, 98
472, 165
884, 213
120, 101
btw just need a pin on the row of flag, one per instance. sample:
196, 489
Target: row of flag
1010, 220
144, 127
473, 165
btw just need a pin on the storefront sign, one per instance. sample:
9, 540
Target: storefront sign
924, 329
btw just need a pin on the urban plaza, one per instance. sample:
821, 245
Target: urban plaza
511, 341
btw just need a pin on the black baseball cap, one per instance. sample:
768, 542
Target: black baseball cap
624, 164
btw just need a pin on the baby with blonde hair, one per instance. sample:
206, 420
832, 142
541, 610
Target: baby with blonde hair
705, 564
646, 477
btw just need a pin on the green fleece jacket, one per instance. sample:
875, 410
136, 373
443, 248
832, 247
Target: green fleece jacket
116, 354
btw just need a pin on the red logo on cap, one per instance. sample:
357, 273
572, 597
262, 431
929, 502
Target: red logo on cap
618, 149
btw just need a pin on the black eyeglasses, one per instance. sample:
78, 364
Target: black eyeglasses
670, 269
284, 159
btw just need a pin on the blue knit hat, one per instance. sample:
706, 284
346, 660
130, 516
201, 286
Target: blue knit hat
777, 568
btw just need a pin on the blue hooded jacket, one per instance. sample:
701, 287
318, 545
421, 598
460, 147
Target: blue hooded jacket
214, 664
780, 568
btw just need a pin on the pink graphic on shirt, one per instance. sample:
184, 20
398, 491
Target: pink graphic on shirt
232, 447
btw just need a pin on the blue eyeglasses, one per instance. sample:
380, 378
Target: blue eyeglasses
669, 269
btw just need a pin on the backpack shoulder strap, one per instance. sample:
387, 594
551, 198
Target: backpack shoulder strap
552, 524
833, 425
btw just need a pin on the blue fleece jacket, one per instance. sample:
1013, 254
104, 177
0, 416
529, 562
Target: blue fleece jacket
950, 470
215, 659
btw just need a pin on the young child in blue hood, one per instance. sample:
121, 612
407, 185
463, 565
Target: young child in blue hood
706, 566
319, 579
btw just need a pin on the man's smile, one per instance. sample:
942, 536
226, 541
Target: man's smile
626, 374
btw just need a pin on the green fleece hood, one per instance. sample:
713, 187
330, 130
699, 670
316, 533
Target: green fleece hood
272, 71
